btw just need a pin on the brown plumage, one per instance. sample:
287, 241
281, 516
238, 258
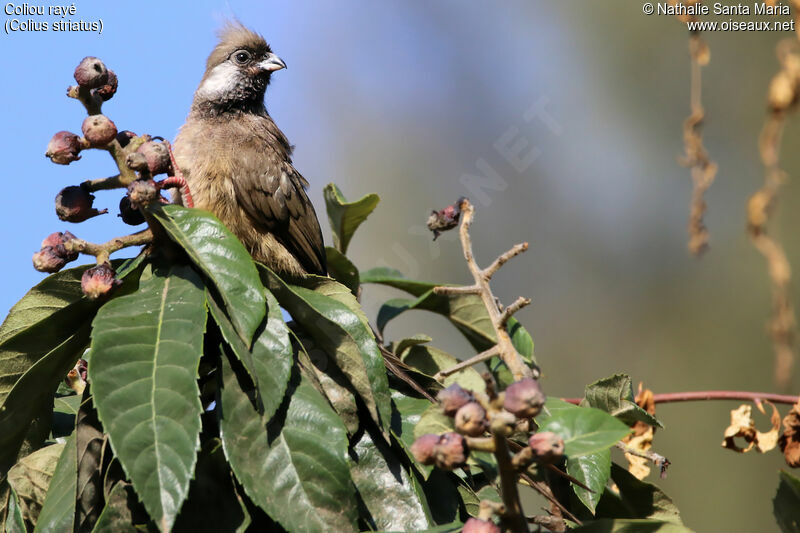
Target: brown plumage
238, 164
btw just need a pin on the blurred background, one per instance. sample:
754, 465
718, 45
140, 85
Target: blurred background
417, 101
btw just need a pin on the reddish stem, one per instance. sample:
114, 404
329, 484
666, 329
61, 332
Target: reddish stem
670, 397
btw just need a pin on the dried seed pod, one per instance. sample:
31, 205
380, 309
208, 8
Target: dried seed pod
547, 447
524, 398
129, 214
98, 281
453, 398
57, 240
471, 420
49, 260
74, 204
451, 451
423, 448
64, 148
157, 156
106, 91
91, 73
99, 130
445, 219
476, 525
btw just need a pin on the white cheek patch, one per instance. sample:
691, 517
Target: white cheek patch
223, 79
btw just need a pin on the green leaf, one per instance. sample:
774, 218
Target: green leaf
58, 510
146, 348
65, 408
585, 430
90, 443
400, 347
406, 414
631, 526
295, 469
433, 420
641, 499
342, 269
30, 478
123, 513
593, 470
614, 395
14, 521
786, 504
269, 361
465, 311
343, 334
223, 259
35, 389
385, 487
344, 216
430, 360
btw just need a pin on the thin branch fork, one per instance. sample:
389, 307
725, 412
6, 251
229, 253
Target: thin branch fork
481, 357
659, 460
505, 349
103, 251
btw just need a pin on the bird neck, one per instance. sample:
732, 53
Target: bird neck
205, 108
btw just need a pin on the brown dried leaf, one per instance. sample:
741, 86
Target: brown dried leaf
790, 440
642, 437
743, 426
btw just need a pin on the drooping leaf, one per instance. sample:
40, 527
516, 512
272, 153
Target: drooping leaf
786, 504
614, 395
59, 505
30, 478
342, 269
124, 513
269, 361
296, 468
344, 336
88, 497
223, 259
385, 487
585, 430
406, 414
465, 311
607, 525
400, 347
33, 390
329, 380
344, 216
593, 470
212, 504
637, 499
430, 360
145, 352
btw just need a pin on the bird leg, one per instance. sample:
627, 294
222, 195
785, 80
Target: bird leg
177, 180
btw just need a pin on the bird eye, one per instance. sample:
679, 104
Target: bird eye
241, 57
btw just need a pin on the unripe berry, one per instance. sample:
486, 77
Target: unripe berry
453, 398
451, 451
91, 73
423, 448
142, 193
49, 260
74, 204
98, 281
471, 420
64, 148
547, 447
476, 525
157, 156
129, 214
57, 240
99, 130
524, 398
108, 90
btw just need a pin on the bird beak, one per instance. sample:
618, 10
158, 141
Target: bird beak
272, 63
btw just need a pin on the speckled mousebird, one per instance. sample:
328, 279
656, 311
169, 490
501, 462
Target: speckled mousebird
238, 164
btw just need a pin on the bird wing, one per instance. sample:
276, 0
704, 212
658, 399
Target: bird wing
276, 200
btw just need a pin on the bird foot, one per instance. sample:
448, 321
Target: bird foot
177, 180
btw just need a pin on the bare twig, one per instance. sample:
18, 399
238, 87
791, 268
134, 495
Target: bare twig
102, 251
659, 460
471, 289
543, 489
102, 184
506, 350
518, 304
513, 519
481, 357
694, 396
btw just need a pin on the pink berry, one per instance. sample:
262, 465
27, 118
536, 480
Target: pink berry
64, 148
99, 130
524, 398
91, 73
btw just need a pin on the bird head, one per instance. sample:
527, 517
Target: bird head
237, 71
